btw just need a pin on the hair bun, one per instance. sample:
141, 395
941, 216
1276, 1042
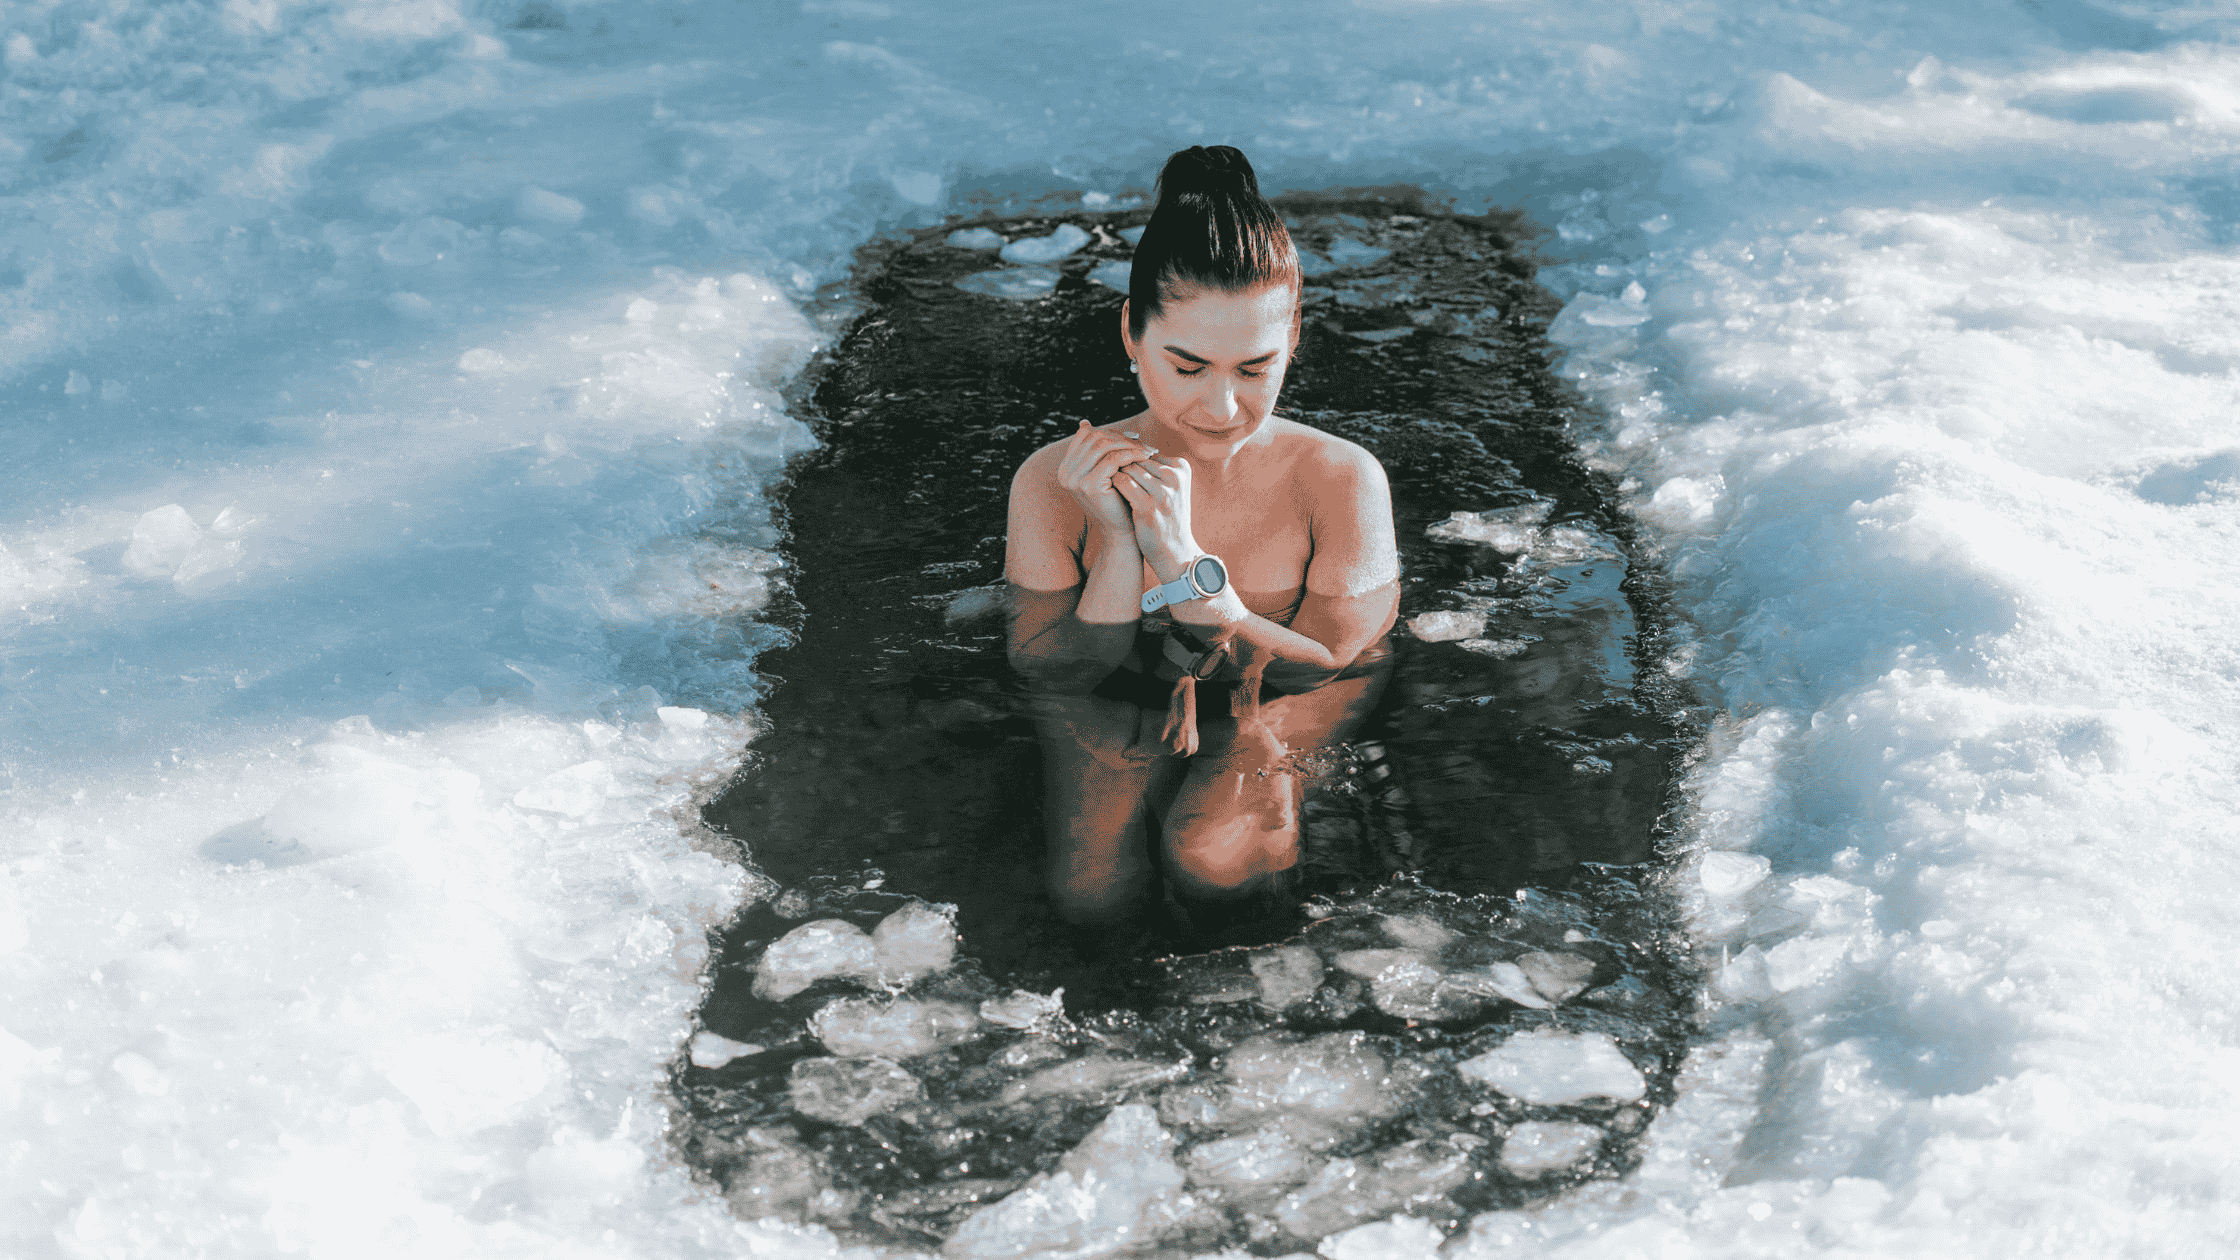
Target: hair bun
1205, 169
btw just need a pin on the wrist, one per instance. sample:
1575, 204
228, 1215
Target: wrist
1224, 609
1168, 563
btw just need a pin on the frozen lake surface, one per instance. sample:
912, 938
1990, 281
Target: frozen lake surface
390, 391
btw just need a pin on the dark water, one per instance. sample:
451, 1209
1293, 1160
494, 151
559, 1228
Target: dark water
1509, 787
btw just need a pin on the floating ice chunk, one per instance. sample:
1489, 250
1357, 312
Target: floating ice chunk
1500, 979
1726, 875
812, 952
777, 1178
1540, 1146
850, 1091
1096, 1073
1287, 974
1112, 274
1414, 990
1022, 1009
161, 540
1133, 236
1019, 284
1440, 627
481, 360
1401, 1238
1045, 249
1557, 977
1312, 264
1114, 1191
1549, 1068
1348, 252
1350, 1192
76, 383
1417, 931
549, 207
641, 311
975, 238
864, 1028
1380, 334
917, 941
1510, 530
1337, 1076
1266, 1160
1496, 648
1371, 963
710, 1050
1028, 1051
1211, 979
572, 792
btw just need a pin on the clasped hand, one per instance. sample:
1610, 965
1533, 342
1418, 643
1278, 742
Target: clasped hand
1126, 487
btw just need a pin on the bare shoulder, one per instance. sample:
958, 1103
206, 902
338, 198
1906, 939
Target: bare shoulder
1327, 457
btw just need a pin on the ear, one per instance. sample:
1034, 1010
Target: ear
1127, 343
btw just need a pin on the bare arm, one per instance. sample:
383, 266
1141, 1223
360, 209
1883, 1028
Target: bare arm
1069, 628
1353, 577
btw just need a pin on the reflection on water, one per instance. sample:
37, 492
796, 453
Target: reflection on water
1476, 859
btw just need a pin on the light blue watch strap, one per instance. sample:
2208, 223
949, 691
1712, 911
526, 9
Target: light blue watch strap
1175, 592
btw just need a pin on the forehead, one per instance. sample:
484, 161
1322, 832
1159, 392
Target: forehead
1218, 325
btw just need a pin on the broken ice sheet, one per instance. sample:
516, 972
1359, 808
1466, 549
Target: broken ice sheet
917, 941
1287, 974
851, 1091
813, 952
1349, 1192
1263, 1161
1022, 1009
1537, 1147
1094, 1073
1116, 1190
877, 1028
1549, 1068
1557, 977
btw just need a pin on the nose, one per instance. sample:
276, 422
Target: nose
1224, 402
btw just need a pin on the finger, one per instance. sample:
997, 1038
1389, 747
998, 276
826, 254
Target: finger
1109, 464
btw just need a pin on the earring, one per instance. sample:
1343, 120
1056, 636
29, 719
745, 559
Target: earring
1132, 367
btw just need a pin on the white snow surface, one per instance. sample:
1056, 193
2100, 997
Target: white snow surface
389, 388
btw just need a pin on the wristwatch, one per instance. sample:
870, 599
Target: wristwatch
1203, 576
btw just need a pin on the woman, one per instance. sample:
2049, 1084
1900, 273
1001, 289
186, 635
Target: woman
1203, 538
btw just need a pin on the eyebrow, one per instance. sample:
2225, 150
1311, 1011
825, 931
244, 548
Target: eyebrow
1255, 361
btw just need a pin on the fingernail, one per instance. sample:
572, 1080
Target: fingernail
1124, 433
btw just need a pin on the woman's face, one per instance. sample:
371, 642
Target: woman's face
1212, 362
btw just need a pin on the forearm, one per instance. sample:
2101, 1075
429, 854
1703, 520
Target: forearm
1066, 642
1326, 637
1113, 593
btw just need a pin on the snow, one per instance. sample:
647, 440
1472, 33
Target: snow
391, 390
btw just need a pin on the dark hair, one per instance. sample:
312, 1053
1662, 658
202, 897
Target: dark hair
1211, 229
